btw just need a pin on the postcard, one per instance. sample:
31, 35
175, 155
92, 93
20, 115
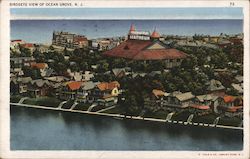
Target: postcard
124, 79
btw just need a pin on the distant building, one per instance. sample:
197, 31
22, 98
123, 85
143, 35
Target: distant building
69, 40
14, 44
144, 46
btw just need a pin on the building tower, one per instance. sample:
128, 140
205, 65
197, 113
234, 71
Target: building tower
155, 35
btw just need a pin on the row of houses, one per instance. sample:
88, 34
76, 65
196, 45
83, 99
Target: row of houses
103, 93
199, 105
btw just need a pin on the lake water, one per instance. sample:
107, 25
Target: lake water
36, 129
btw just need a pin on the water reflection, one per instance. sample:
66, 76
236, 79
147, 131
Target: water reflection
33, 129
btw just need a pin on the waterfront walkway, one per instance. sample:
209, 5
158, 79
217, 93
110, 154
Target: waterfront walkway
127, 117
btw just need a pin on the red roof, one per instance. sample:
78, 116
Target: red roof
202, 107
18, 40
234, 108
137, 50
155, 34
38, 65
27, 45
229, 99
108, 86
74, 85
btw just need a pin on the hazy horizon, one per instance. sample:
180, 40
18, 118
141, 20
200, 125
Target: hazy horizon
40, 31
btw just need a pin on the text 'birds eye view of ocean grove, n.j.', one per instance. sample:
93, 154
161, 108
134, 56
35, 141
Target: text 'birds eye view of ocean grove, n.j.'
141, 84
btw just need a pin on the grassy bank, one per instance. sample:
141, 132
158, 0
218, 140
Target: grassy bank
82, 106
15, 98
43, 101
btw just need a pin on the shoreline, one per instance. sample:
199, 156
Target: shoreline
119, 116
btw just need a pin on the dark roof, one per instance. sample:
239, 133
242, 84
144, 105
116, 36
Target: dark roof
139, 50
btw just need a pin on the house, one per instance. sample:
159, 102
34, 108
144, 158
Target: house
119, 72
69, 90
239, 79
56, 83
17, 71
14, 44
23, 84
106, 93
215, 87
235, 111
156, 100
199, 110
47, 72
39, 87
22, 61
211, 100
29, 46
84, 91
178, 100
43, 48
232, 106
40, 66
146, 47
238, 88
79, 76
87, 76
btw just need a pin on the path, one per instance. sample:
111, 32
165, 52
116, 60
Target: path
102, 110
73, 106
22, 100
91, 107
61, 104
169, 116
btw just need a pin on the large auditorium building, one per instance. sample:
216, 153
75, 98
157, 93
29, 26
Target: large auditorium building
144, 46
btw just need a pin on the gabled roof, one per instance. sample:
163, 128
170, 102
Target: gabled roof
201, 107
117, 71
229, 99
157, 93
234, 108
57, 78
74, 85
108, 86
185, 96
238, 87
27, 45
89, 85
39, 65
207, 97
24, 80
215, 85
40, 82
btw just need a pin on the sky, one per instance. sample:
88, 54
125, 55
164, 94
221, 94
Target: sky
127, 13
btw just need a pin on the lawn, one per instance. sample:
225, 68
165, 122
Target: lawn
15, 98
208, 119
181, 116
157, 115
115, 110
43, 101
68, 104
82, 106
233, 121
